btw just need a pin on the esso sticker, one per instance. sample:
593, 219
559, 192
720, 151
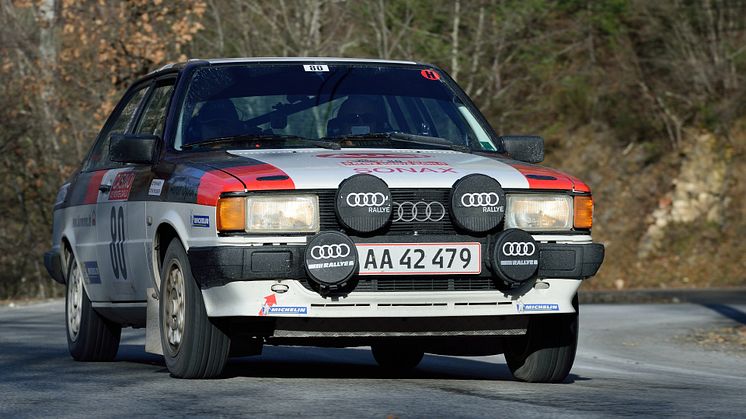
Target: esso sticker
430, 74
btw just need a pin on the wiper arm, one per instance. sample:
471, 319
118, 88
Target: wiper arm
262, 137
407, 138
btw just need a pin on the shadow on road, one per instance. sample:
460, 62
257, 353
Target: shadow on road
325, 363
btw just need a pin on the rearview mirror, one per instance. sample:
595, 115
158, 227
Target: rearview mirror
132, 148
525, 148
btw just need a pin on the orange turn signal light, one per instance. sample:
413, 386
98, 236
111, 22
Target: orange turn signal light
583, 210
231, 214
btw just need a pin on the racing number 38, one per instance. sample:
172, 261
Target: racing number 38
116, 246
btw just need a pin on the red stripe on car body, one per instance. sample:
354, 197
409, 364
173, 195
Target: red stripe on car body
91, 193
216, 182
544, 178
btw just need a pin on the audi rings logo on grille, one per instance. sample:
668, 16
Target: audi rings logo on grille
518, 248
330, 251
366, 199
419, 211
480, 199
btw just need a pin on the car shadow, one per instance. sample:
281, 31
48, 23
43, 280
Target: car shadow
334, 363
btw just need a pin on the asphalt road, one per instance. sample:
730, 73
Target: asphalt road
631, 361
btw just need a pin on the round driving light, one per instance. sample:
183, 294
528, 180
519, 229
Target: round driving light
515, 257
477, 203
331, 260
363, 203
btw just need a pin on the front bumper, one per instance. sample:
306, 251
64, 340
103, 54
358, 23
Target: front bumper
221, 265
257, 298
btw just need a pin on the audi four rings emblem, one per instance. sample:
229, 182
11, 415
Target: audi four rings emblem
330, 251
420, 211
480, 199
366, 199
519, 249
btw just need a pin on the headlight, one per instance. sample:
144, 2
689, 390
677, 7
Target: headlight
539, 212
282, 214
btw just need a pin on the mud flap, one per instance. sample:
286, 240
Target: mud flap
152, 328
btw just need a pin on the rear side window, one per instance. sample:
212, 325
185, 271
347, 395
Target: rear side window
99, 157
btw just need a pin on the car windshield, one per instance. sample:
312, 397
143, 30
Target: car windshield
311, 105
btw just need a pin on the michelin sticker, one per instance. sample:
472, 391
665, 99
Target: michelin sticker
156, 186
522, 308
91, 271
200, 221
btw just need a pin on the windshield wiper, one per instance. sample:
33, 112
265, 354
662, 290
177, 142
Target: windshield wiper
405, 138
240, 139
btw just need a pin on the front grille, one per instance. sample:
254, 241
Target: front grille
404, 284
407, 225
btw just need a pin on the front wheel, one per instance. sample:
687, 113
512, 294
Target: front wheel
90, 337
547, 351
193, 347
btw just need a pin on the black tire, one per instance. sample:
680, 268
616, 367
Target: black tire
547, 351
201, 350
96, 338
397, 357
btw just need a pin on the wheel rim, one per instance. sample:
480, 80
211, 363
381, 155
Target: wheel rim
174, 302
74, 302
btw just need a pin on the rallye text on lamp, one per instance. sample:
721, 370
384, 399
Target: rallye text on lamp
228, 204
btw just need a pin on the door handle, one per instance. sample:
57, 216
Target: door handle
104, 188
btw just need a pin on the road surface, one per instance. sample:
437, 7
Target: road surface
632, 360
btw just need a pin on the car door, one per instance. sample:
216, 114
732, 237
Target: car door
122, 244
95, 168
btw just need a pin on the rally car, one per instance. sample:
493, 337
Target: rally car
231, 203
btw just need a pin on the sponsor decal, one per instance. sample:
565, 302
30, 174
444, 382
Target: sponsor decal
392, 162
374, 201
522, 308
518, 248
91, 272
288, 310
326, 265
85, 221
316, 68
428, 170
270, 307
374, 156
430, 74
330, 251
422, 211
480, 199
200, 221
156, 186
120, 189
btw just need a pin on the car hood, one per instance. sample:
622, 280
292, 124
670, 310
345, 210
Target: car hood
325, 169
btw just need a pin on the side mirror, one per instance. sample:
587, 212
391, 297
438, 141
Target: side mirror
526, 148
132, 148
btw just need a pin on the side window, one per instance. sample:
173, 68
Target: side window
154, 117
99, 158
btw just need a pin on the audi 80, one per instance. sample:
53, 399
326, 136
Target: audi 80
228, 204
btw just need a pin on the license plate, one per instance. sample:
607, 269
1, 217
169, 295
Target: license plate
420, 258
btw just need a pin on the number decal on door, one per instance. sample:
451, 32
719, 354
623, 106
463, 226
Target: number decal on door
116, 246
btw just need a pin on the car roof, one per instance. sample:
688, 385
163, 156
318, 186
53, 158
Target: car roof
287, 60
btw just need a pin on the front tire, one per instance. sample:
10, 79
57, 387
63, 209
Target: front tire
193, 347
396, 357
90, 337
547, 351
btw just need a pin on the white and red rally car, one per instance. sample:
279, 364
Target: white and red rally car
232, 203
